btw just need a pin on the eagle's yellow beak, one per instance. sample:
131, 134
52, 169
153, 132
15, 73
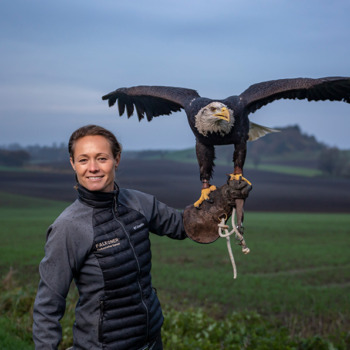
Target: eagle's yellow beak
223, 114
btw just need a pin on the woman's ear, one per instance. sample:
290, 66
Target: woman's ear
72, 163
117, 161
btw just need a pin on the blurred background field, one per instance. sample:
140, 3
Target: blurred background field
294, 286
292, 290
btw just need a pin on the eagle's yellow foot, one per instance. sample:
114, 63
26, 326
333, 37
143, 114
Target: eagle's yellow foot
204, 195
238, 177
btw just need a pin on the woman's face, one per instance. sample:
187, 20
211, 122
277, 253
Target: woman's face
94, 163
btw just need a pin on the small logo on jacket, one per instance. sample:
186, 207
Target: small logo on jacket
107, 244
138, 226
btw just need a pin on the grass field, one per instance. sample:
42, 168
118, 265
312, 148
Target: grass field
297, 276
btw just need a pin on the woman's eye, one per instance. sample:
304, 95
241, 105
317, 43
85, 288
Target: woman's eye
83, 160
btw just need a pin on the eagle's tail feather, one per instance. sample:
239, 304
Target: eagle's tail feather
256, 131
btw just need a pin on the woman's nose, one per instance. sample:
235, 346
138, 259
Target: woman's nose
93, 166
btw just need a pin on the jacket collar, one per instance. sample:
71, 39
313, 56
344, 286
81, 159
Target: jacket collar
98, 199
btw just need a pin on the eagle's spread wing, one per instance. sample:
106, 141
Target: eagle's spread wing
150, 100
329, 88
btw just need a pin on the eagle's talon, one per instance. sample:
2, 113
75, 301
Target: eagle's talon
238, 177
205, 196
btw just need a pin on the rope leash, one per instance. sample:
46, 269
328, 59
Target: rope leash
223, 227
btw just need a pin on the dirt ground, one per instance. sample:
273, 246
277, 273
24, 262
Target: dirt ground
178, 185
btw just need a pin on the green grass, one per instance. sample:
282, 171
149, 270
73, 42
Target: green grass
268, 163
285, 169
298, 265
12, 168
296, 275
17, 169
9, 337
24, 221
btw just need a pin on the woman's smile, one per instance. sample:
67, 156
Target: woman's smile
94, 164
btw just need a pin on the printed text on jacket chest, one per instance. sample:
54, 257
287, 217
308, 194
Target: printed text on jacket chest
107, 244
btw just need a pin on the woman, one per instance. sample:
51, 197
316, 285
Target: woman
102, 242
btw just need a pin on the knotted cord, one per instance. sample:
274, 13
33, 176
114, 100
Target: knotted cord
223, 227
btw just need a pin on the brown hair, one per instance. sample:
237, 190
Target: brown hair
94, 130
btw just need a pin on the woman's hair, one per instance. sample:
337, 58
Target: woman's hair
94, 130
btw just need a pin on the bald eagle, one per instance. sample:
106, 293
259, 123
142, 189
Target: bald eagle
224, 122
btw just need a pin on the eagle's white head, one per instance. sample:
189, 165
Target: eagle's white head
214, 117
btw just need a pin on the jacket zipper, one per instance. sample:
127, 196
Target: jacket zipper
137, 262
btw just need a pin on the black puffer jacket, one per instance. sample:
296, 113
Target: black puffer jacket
102, 241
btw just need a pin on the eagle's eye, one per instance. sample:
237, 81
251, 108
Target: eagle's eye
213, 109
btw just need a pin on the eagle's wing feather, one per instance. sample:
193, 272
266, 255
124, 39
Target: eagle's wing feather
150, 100
329, 88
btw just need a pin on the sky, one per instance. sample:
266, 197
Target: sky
58, 59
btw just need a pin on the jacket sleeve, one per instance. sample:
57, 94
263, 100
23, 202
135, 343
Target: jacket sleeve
165, 220
50, 303
162, 219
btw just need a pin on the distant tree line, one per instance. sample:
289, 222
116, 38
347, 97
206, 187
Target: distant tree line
14, 158
35, 154
290, 141
332, 161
